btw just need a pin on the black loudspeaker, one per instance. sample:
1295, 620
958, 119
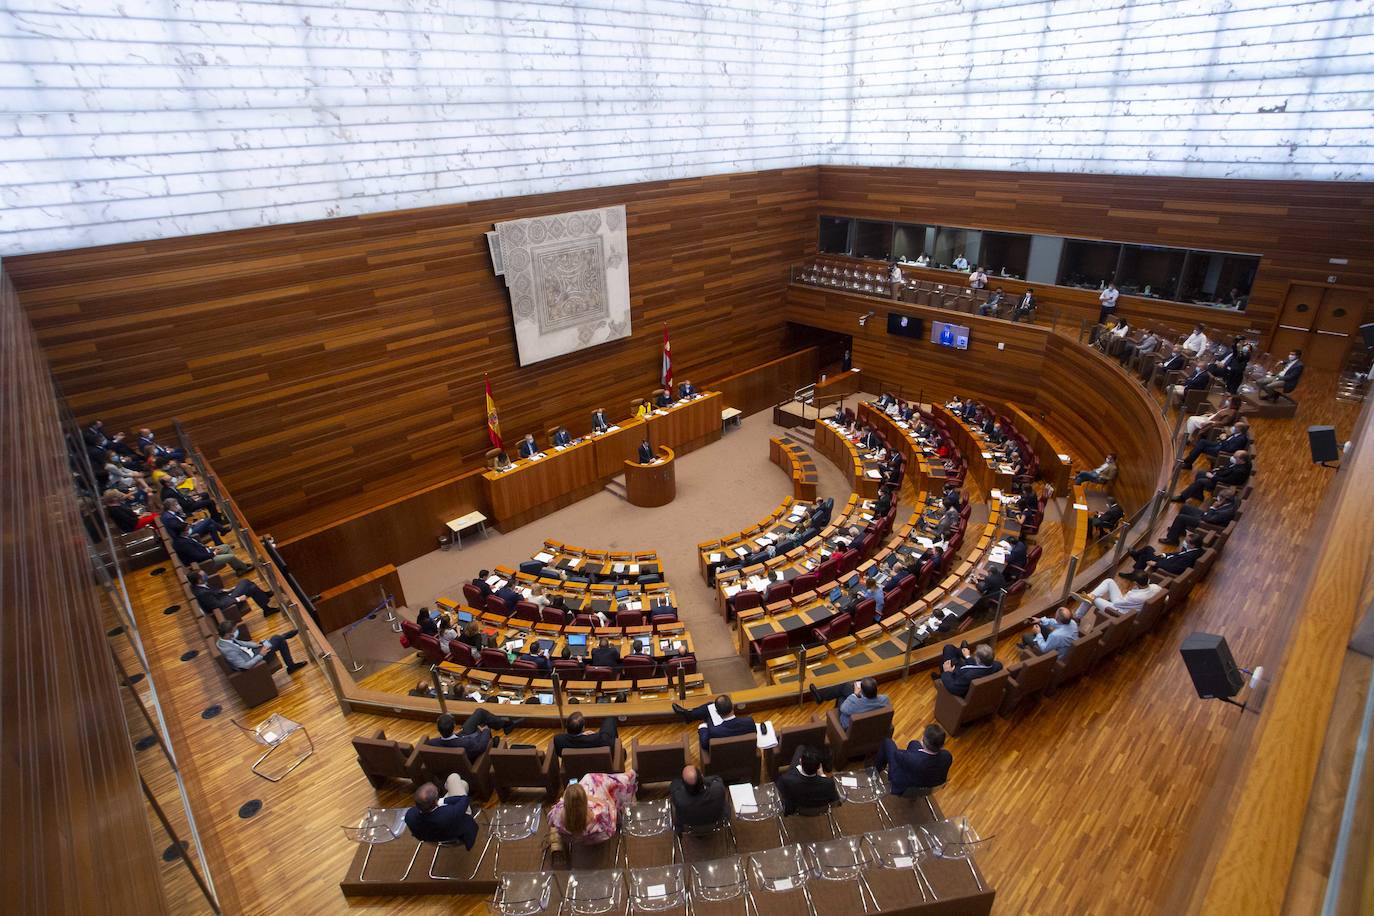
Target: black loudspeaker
1367, 332
1211, 666
1322, 441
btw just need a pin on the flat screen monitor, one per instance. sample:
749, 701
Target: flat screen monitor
905, 325
949, 335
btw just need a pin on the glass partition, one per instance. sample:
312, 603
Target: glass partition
952, 244
834, 237
872, 240
1215, 279
1088, 265
1004, 254
909, 241
1147, 270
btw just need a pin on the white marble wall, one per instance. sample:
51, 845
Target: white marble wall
132, 119
135, 119
1214, 88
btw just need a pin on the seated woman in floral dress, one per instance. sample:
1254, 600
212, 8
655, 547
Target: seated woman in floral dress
590, 808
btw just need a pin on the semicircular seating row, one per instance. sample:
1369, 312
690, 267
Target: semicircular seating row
817, 613
1103, 631
559, 604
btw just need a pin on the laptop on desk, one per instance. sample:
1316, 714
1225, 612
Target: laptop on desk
577, 644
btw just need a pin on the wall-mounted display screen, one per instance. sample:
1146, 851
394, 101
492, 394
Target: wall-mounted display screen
949, 335
905, 325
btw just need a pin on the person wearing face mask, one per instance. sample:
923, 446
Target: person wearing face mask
1283, 379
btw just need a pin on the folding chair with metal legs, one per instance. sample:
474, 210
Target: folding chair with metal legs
272, 733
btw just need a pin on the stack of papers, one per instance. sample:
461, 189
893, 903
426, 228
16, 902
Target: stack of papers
714, 557
768, 737
543, 556
742, 797
874, 474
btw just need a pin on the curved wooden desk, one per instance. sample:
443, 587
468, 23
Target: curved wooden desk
651, 485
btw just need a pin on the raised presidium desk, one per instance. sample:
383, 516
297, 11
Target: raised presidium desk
535, 487
653, 484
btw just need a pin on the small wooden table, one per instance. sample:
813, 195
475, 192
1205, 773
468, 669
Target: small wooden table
457, 525
650, 485
731, 416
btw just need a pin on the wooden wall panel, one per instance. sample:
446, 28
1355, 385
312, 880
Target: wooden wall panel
768, 384
324, 548
318, 361
918, 367
77, 834
1295, 225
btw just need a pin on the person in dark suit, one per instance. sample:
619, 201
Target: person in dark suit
698, 801
189, 550
1025, 307
562, 437
1177, 360
175, 521
962, 667
446, 820
1176, 563
1231, 368
686, 390
605, 655
427, 621
923, 765
540, 657
575, 735
663, 399
511, 595
990, 586
871, 440
481, 582
1234, 474
599, 424
1099, 523
125, 512
1220, 512
475, 735
528, 448
804, 784
730, 724
1016, 555
1235, 440
646, 452
1283, 379
230, 603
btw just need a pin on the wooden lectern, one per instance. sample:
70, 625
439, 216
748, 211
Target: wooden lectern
651, 485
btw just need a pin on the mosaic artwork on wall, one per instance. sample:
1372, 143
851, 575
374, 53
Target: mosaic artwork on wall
569, 280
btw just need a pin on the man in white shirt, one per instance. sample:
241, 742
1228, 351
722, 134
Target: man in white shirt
1197, 342
961, 263
1108, 594
1108, 300
923, 260
977, 279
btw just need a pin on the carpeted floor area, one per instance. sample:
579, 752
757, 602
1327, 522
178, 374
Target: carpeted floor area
721, 488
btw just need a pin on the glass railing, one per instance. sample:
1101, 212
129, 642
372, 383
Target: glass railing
185, 872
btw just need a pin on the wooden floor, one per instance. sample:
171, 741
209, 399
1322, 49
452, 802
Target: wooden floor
1089, 796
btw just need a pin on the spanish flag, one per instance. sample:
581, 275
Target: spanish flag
666, 377
493, 421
